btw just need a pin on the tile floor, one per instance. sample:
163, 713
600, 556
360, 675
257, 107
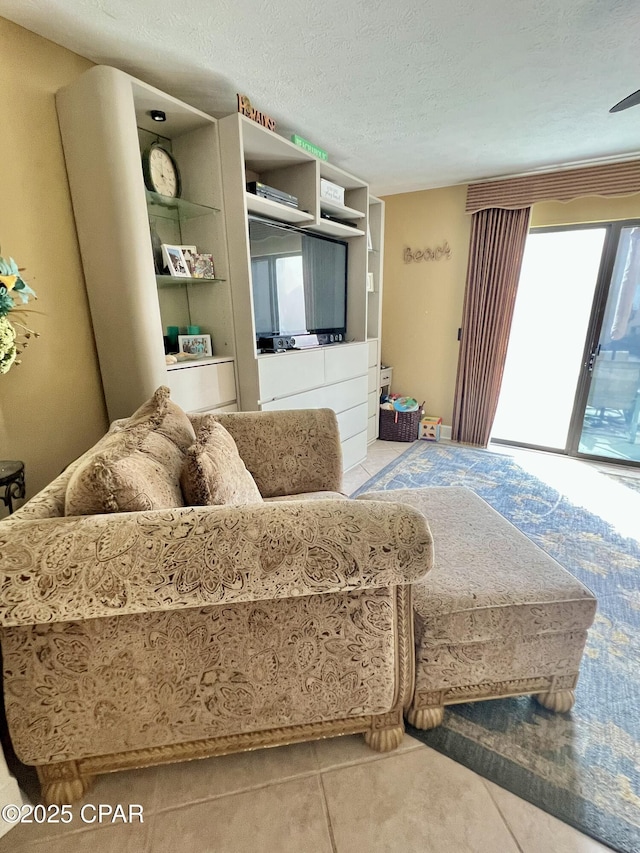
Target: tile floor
332, 796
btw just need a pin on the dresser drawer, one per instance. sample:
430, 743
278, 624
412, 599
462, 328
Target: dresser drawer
345, 361
203, 386
372, 375
373, 353
352, 421
319, 398
287, 373
339, 397
373, 404
354, 450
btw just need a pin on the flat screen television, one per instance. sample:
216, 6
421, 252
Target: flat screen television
299, 281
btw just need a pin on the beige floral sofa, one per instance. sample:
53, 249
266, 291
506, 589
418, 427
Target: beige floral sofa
166, 633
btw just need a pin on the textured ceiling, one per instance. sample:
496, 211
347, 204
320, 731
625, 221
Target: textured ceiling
406, 94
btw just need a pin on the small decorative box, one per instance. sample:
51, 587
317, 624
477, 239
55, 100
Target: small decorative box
331, 192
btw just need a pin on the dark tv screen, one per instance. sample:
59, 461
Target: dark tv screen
299, 280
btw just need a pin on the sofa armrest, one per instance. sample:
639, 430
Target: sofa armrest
287, 452
77, 568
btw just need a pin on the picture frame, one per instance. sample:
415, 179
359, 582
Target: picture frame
195, 345
203, 266
189, 253
174, 260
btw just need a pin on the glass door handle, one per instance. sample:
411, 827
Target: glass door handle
592, 357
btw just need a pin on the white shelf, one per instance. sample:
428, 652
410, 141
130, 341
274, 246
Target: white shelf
183, 280
341, 211
275, 210
336, 229
198, 362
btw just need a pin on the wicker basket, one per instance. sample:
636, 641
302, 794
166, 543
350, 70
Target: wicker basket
399, 426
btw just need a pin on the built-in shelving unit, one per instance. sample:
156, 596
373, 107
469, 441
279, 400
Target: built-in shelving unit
105, 119
337, 376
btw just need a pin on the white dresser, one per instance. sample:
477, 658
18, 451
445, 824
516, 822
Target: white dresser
334, 377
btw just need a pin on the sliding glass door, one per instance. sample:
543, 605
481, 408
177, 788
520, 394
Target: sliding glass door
555, 296
608, 425
572, 376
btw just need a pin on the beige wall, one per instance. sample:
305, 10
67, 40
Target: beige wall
422, 303
51, 406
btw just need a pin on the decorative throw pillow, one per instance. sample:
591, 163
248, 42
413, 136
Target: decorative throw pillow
164, 416
213, 472
138, 465
138, 469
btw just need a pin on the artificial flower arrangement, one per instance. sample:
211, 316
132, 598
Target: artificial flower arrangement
14, 335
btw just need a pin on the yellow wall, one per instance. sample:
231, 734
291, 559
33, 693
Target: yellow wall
51, 406
422, 303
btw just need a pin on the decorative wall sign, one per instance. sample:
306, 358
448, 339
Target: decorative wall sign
309, 146
245, 108
437, 254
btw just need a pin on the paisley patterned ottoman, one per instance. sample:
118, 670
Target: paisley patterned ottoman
496, 616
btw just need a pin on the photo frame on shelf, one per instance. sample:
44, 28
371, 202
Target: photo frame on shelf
203, 266
174, 260
195, 345
189, 253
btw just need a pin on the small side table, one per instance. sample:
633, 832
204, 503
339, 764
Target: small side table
386, 374
12, 481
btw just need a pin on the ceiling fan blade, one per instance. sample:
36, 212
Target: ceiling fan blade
630, 101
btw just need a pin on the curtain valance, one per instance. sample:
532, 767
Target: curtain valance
610, 179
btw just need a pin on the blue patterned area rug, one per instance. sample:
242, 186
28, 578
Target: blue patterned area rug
584, 766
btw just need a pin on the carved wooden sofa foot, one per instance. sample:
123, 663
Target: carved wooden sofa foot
62, 783
559, 701
425, 718
386, 732
496, 617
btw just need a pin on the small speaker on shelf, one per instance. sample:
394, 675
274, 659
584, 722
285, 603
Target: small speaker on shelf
278, 343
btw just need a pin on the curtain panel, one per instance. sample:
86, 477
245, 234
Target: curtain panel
495, 258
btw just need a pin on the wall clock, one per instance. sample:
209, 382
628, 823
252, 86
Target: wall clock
161, 173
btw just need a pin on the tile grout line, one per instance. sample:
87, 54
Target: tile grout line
502, 817
327, 815
262, 785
